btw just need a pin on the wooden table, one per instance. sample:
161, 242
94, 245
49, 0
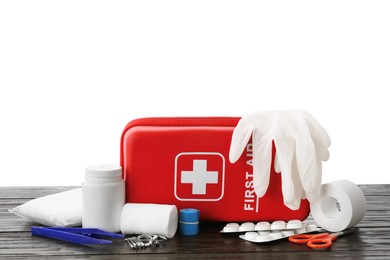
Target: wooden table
372, 240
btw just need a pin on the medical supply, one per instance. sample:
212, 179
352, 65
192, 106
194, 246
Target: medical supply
185, 162
341, 205
278, 225
82, 236
189, 222
103, 197
262, 236
61, 209
319, 241
301, 145
143, 241
149, 219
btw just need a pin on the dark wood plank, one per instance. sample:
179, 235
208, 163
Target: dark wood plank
24, 244
375, 189
371, 241
31, 192
214, 256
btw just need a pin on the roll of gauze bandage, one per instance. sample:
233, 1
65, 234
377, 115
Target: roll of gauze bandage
349, 212
152, 219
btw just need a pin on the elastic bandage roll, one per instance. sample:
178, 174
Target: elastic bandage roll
149, 219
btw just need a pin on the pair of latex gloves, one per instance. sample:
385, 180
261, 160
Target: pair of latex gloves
301, 146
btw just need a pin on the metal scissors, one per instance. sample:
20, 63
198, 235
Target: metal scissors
319, 241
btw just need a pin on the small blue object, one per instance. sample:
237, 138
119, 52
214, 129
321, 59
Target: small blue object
82, 236
189, 221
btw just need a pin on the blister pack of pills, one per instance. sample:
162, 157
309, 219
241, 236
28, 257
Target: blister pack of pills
266, 232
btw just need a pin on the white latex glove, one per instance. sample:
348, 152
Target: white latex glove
301, 146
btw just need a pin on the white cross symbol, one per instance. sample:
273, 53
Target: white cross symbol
199, 177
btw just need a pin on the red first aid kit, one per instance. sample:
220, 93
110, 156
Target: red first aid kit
185, 162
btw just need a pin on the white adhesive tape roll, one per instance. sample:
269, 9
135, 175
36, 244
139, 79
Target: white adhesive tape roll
349, 212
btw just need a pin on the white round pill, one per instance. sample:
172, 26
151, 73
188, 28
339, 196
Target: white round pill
251, 236
247, 226
263, 238
278, 225
311, 228
294, 224
302, 229
275, 235
264, 225
230, 229
232, 225
287, 233
264, 233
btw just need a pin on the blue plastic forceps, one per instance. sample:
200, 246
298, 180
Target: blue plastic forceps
82, 236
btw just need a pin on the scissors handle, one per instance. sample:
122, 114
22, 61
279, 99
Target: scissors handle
305, 238
321, 243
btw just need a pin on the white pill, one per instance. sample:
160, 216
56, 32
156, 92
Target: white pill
247, 226
278, 225
251, 236
232, 225
302, 229
287, 233
275, 235
264, 233
264, 238
264, 225
294, 224
311, 228
230, 229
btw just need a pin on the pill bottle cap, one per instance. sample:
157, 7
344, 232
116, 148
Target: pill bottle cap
103, 173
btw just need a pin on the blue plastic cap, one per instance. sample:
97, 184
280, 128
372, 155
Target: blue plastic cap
189, 222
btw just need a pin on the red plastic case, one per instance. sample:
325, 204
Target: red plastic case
185, 161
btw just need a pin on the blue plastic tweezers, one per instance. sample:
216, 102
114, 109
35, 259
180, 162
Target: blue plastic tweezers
82, 236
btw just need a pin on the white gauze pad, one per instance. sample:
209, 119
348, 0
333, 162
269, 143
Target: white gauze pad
60, 209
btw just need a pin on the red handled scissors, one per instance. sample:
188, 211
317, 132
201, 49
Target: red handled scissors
319, 241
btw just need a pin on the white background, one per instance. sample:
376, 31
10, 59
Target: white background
74, 73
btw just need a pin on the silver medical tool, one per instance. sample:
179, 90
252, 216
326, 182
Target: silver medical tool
143, 241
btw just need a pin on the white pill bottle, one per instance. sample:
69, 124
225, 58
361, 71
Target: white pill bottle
103, 197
